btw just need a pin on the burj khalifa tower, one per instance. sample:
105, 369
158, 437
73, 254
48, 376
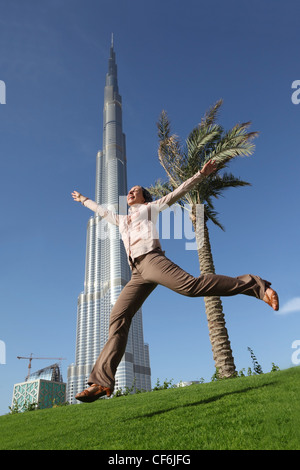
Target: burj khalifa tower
106, 269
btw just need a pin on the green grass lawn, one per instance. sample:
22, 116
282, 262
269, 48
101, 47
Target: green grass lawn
256, 412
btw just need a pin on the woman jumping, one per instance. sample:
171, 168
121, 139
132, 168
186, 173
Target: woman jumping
151, 267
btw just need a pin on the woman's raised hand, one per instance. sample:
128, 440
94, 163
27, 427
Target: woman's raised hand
77, 196
209, 168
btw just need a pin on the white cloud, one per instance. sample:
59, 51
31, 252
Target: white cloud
292, 305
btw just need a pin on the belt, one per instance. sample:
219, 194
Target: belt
158, 249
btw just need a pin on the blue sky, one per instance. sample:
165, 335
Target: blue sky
172, 55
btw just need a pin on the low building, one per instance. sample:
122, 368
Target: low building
43, 389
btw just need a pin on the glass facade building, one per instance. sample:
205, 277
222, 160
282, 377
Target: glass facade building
107, 270
52, 373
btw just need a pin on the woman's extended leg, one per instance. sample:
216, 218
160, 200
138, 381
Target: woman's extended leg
156, 266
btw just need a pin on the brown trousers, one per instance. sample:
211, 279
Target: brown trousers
148, 271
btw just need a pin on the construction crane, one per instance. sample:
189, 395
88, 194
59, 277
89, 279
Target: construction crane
30, 359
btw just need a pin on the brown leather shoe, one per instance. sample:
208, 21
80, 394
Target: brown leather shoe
93, 393
272, 299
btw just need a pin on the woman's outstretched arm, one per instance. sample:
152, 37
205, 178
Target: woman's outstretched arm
186, 186
111, 216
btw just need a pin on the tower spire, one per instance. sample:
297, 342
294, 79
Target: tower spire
111, 89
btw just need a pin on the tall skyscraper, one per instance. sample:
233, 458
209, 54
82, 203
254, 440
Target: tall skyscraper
107, 270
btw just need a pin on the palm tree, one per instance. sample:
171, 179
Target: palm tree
207, 141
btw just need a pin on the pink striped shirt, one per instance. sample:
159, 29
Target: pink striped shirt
138, 228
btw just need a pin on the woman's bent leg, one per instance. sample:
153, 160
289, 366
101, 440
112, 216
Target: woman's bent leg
130, 300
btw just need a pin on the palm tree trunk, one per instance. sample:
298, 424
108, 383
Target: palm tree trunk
218, 334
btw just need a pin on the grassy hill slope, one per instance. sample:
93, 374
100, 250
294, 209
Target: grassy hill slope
257, 412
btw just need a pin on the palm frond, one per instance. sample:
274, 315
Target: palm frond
207, 141
236, 142
163, 126
199, 140
211, 115
170, 155
160, 189
218, 183
212, 215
